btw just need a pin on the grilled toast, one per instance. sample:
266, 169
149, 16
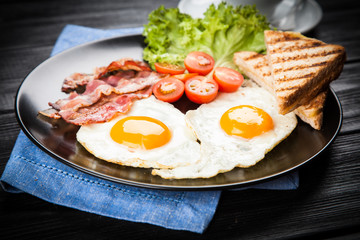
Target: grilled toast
256, 67
301, 67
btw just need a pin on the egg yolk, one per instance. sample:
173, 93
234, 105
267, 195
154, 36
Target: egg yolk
246, 121
139, 132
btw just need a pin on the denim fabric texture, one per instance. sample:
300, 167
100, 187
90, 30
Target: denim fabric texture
32, 171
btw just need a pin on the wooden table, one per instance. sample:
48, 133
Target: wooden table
326, 205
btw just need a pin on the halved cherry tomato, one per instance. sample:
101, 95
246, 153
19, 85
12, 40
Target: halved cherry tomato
185, 76
168, 89
200, 89
169, 68
228, 79
199, 62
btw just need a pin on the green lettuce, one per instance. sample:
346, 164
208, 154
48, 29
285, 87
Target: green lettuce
224, 30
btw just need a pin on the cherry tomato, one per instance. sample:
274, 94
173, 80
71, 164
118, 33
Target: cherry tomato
185, 76
168, 89
228, 79
169, 68
200, 89
199, 62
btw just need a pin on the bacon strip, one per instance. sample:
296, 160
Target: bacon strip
123, 68
96, 88
103, 99
124, 64
104, 110
75, 81
109, 91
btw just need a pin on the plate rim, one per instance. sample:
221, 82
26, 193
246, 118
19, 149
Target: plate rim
151, 185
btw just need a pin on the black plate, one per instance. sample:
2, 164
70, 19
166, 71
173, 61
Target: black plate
57, 138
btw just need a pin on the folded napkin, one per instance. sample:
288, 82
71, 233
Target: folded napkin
31, 170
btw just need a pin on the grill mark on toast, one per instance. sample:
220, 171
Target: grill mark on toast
283, 39
253, 56
260, 65
304, 56
296, 78
307, 45
286, 89
300, 67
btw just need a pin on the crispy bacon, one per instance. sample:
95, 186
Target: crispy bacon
124, 64
123, 68
105, 109
103, 99
50, 113
76, 80
95, 89
109, 91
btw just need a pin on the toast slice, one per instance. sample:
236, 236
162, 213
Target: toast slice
256, 67
301, 67
313, 112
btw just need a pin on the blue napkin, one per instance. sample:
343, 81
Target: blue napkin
31, 170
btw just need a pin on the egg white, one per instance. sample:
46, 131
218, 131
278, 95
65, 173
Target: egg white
182, 150
221, 152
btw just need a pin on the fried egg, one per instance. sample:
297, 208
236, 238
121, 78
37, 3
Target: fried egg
235, 130
153, 134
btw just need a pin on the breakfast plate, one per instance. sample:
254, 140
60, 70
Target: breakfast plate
58, 138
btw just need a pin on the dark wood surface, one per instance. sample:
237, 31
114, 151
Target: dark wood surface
325, 206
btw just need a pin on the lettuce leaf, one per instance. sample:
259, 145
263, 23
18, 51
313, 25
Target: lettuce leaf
224, 30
